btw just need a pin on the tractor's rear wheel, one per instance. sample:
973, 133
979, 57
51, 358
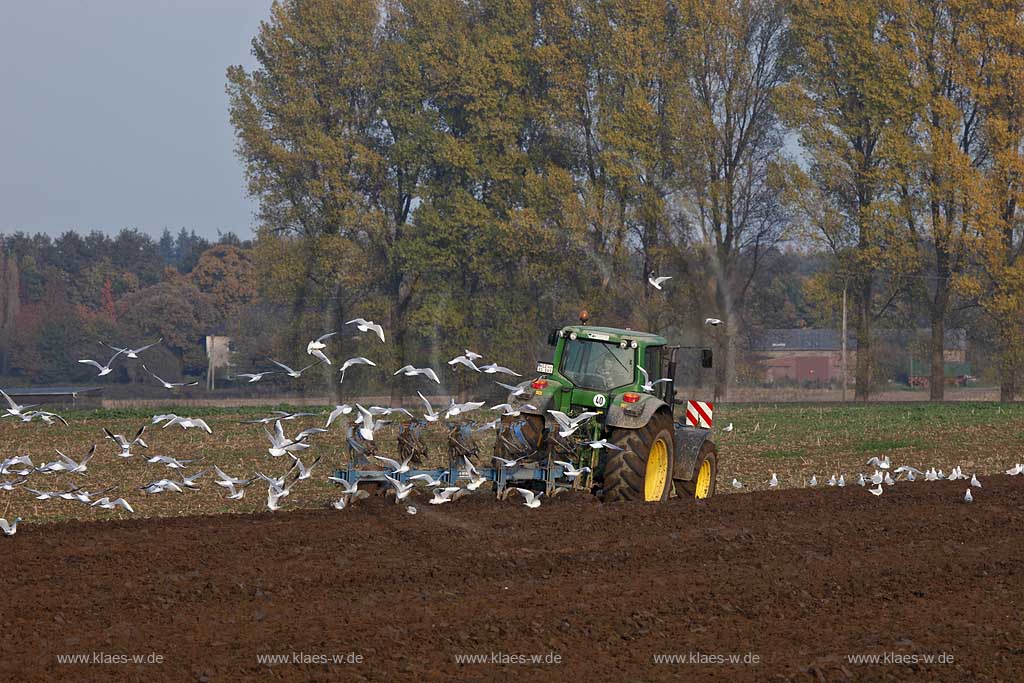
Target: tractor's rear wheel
642, 470
705, 474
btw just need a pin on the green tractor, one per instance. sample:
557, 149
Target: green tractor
631, 442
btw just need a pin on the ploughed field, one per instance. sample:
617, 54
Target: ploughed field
794, 584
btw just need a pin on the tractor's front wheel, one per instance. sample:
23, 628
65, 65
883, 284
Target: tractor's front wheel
642, 470
705, 474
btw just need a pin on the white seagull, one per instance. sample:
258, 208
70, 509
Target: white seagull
132, 353
104, 369
495, 368
516, 391
9, 528
460, 408
168, 461
402, 489
968, 498
108, 504
343, 409
316, 347
13, 408
713, 322
165, 383
396, 467
465, 360
189, 423
281, 444
367, 326
603, 443
568, 424
648, 385
255, 376
657, 282
882, 464
410, 371
295, 373
532, 497
358, 360
430, 415
570, 471
126, 445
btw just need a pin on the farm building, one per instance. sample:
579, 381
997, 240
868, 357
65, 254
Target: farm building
813, 356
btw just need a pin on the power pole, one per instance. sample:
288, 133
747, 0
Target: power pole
844, 341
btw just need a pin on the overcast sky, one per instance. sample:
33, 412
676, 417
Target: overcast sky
113, 114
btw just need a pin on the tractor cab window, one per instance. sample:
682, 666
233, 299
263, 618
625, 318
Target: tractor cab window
596, 365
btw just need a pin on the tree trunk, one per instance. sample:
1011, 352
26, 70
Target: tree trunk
1007, 390
937, 380
724, 334
862, 378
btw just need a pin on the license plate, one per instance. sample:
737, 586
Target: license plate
545, 368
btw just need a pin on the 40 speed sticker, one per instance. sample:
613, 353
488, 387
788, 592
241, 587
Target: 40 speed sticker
600, 400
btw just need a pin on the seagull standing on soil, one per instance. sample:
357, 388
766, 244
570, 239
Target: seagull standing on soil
367, 326
736, 484
814, 481
974, 481
165, 383
773, 483
968, 498
877, 491
104, 369
657, 282
1013, 471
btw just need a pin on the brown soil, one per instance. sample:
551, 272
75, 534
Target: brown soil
799, 578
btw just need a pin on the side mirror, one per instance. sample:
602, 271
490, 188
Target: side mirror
706, 358
553, 338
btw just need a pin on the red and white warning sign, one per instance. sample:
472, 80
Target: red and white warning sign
698, 414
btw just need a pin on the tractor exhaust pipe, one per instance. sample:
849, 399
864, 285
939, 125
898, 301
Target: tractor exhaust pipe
671, 392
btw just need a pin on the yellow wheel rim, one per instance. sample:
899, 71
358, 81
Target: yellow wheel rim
656, 473
703, 487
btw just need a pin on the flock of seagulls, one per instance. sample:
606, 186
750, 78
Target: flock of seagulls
365, 421
882, 475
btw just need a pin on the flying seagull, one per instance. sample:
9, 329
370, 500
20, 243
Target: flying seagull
532, 497
189, 423
570, 471
396, 467
465, 360
126, 445
132, 353
256, 376
713, 322
495, 368
316, 347
343, 409
430, 415
410, 371
169, 385
657, 282
367, 326
12, 407
358, 360
567, 424
104, 369
648, 385
295, 373
459, 408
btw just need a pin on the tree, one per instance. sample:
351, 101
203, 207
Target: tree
851, 107
737, 57
330, 151
946, 164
